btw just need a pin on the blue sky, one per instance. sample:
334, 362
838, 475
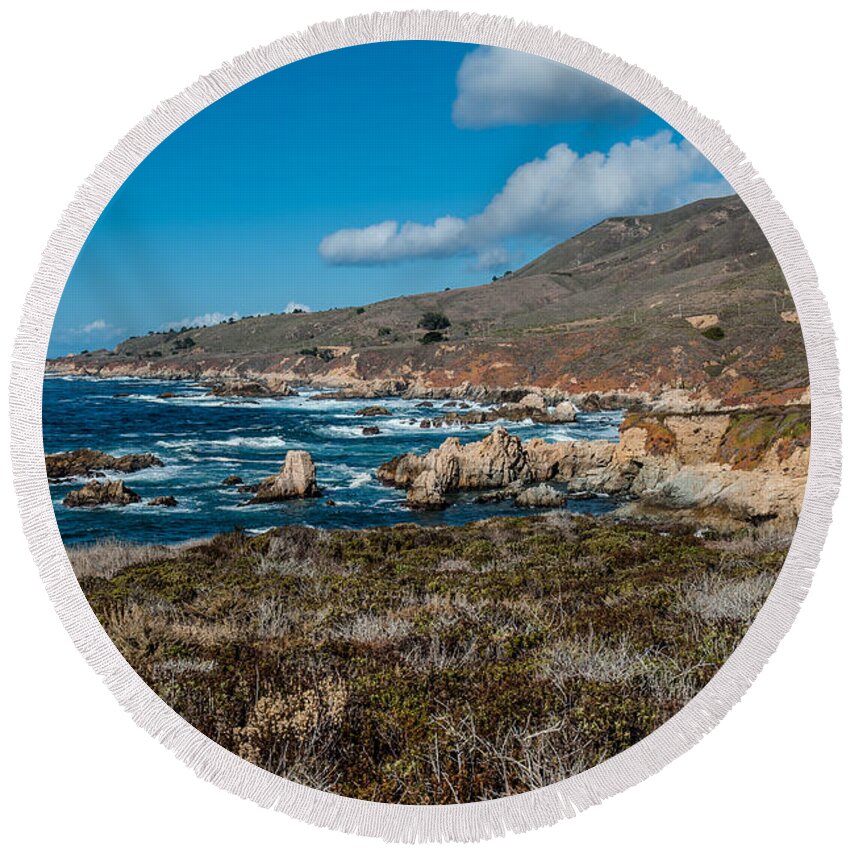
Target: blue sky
366, 173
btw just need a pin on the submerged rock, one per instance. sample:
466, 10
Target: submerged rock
163, 502
231, 481
86, 461
296, 480
370, 430
95, 493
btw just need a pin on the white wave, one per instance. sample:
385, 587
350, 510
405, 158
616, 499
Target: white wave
272, 442
360, 479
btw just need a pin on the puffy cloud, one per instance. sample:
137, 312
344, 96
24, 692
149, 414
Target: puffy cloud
551, 197
294, 306
98, 328
388, 241
96, 325
203, 321
496, 86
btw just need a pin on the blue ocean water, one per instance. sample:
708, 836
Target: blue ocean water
202, 439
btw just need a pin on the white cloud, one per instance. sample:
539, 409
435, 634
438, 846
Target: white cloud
496, 87
203, 321
551, 197
292, 306
99, 328
96, 325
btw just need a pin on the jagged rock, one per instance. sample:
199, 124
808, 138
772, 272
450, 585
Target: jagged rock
95, 493
296, 480
231, 481
565, 411
85, 461
425, 423
496, 461
426, 492
541, 496
238, 388
248, 488
370, 430
373, 410
163, 502
425, 404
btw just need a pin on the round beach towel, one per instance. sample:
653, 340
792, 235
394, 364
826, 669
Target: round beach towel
423, 425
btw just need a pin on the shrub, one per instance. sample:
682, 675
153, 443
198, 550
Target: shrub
714, 333
433, 321
384, 331
184, 344
431, 336
360, 311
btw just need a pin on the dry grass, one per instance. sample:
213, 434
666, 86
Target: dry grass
716, 597
107, 557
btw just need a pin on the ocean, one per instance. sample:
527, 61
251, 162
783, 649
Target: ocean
202, 439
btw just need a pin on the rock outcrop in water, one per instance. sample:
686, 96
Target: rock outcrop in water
373, 410
257, 388
82, 462
749, 466
296, 480
163, 502
495, 461
96, 493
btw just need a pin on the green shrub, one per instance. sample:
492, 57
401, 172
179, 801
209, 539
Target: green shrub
431, 336
434, 321
714, 333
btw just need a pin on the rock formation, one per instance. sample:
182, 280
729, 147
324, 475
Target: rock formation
163, 502
296, 480
96, 493
541, 496
237, 388
373, 410
495, 461
749, 467
86, 461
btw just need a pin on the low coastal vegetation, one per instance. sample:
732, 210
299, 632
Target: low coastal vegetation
433, 665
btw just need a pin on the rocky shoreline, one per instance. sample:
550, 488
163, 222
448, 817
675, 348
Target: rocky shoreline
717, 467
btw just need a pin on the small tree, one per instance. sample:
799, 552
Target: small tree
431, 336
434, 321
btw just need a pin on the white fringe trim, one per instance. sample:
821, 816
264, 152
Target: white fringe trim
468, 821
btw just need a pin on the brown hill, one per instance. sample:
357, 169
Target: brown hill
692, 298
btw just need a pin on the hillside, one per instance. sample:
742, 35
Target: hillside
606, 310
